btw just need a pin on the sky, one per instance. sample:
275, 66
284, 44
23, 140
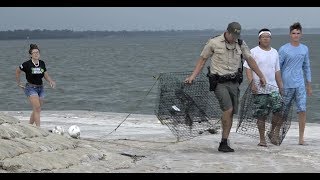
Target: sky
154, 18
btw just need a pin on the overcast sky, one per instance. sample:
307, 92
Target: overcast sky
155, 18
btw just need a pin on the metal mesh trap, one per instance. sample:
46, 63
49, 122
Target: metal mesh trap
188, 110
265, 108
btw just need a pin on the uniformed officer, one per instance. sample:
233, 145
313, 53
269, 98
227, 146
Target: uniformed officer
225, 53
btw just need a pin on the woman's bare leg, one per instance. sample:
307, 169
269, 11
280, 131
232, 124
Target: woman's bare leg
36, 109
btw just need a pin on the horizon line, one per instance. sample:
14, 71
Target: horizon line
136, 30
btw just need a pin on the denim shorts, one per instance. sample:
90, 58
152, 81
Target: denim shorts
31, 90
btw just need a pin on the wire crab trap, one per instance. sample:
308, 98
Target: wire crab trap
265, 109
188, 110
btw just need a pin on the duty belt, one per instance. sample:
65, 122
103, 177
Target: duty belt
227, 77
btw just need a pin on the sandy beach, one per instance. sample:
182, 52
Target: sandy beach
142, 145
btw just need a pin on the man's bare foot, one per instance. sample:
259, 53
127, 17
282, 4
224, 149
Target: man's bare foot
274, 139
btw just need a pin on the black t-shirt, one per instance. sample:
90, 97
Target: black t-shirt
34, 74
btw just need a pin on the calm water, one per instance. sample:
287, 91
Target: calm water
114, 74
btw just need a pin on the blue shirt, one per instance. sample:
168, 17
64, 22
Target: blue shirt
294, 61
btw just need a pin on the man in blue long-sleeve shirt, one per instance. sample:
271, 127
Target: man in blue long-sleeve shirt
294, 64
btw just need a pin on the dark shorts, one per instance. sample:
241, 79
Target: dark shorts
228, 94
266, 103
31, 90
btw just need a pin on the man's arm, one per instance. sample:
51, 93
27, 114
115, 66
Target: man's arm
251, 62
281, 57
200, 63
250, 78
249, 74
253, 65
307, 71
309, 89
279, 81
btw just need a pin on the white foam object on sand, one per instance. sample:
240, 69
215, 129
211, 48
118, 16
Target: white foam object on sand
58, 130
74, 131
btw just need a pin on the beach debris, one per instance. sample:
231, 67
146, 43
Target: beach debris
135, 158
58, 130
74, 131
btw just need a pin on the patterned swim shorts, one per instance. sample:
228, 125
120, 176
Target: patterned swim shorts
263, 104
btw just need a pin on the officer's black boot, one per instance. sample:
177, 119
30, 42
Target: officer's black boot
223, 147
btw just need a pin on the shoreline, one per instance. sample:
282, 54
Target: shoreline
143, 145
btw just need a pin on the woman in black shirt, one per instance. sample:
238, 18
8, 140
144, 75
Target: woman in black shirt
35, 70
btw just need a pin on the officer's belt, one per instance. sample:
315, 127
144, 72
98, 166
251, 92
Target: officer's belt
227, 77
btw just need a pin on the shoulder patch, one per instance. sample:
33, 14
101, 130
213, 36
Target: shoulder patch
211, 38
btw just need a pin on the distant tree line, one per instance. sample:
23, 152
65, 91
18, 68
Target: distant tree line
61, 34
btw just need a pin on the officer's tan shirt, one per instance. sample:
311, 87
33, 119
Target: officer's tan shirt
225, 57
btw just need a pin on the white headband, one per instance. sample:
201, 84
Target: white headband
268, 32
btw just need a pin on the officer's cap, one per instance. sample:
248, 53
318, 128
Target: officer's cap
235, 29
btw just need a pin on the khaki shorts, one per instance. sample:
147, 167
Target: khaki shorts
265, 103
228, 94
